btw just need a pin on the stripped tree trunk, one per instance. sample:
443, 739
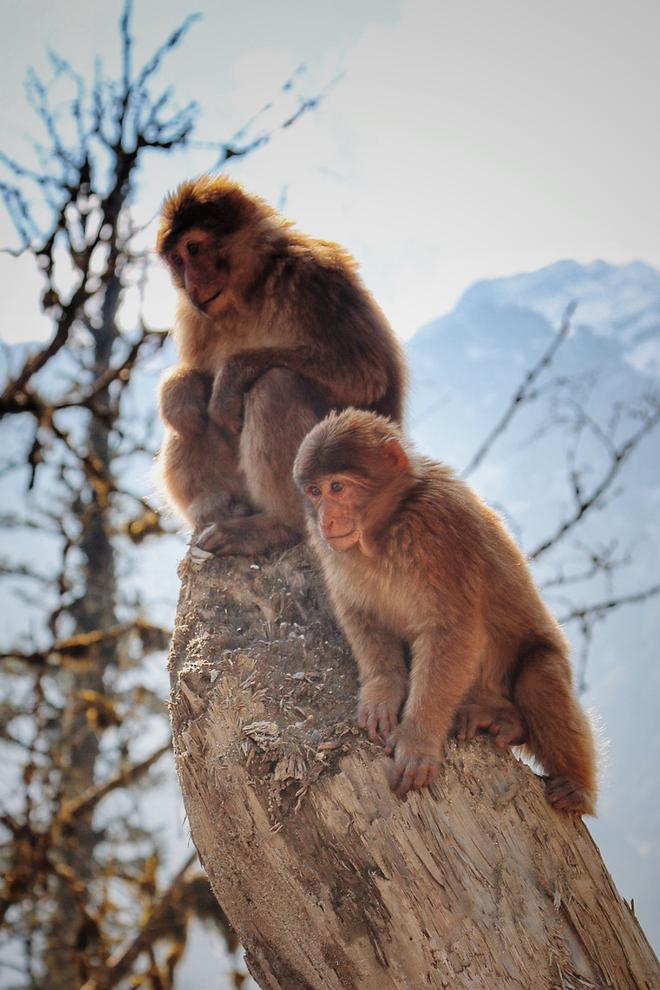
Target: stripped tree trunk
330, 881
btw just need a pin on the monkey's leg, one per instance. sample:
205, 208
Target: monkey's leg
200, 476
560, 734
485, 711
278, 412
382, 669
444, 666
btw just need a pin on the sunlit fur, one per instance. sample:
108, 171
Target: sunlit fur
284, 329
435, 568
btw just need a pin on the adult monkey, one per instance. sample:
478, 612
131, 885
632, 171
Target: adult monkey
412, 555
273, 329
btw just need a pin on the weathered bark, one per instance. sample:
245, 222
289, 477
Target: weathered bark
330, 881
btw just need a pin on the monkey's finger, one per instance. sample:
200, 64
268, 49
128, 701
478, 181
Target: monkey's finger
386, 720
405, 778
509, 735
388, 725
394, 775
214, 539
422, 775
469, 725
372, 727
206, 535
465, 734
495, 732
564, 804
211, 539
565, 795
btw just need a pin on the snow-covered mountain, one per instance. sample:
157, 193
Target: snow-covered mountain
622, 302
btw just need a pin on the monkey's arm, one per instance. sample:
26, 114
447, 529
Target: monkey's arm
351, 376
444, 666
184, 396
382, 670
241, 372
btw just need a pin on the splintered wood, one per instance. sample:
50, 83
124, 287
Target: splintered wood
330, 882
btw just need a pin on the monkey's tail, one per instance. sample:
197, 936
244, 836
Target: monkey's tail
560, 734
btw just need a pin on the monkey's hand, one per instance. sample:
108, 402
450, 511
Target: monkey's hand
184, 395
226, 403
416, 758
241, 372
379, 704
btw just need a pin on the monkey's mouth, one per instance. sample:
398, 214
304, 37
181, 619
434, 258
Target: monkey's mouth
207, 302
344, 541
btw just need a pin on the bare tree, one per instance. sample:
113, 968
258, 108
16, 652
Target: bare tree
86, 894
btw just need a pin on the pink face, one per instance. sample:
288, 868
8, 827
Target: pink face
337, 502
200, 266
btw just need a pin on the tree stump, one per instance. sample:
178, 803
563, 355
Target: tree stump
331, 882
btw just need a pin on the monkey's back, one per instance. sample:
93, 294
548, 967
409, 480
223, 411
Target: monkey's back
462, 548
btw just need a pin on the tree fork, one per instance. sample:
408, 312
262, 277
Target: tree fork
330, 882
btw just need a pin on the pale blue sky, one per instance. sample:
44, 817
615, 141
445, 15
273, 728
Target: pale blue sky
465, 140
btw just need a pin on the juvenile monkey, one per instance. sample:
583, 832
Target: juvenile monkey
412, 556
273, 329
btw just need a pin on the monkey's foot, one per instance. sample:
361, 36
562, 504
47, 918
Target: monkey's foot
250, 535
503, 723
415, 761
204, 511
378, 709
565, 795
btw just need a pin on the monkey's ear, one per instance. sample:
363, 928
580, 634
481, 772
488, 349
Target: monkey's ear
395, 456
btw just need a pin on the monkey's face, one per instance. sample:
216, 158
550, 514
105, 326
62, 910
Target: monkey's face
338, 502
200, 266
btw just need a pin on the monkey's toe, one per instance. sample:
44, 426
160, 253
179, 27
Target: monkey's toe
465, 727
414, 764
411, 775
219, 539
378, 719
508, 732
210, 538
502, 723
565, 795
379, 704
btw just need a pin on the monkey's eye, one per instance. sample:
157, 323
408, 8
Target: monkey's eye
177, 260
336, 486
313, 491
193, 248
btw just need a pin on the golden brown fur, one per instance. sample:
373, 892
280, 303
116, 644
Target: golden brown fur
413, 557
283, 329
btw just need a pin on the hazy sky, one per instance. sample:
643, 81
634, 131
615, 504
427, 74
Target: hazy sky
464, 140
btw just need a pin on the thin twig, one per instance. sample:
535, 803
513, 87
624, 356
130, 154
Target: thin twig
523, 392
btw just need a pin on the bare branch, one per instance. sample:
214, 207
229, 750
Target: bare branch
523, 393
121, 962
599, 561
77, 649
598, 609
585, 502
89, 799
